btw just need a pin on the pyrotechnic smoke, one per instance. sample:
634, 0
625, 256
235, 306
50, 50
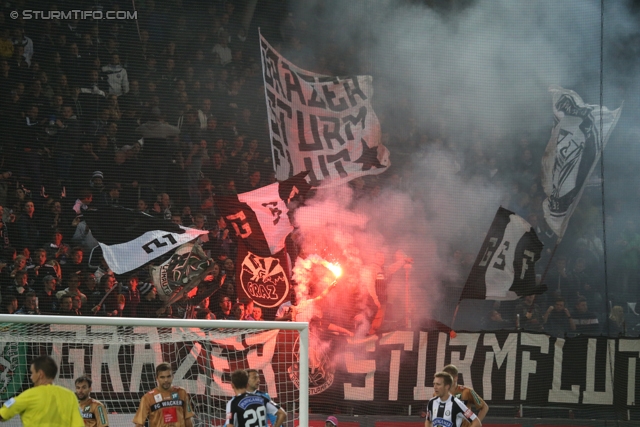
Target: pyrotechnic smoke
474, 78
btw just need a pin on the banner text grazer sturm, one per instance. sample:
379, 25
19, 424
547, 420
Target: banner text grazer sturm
393, 368
321, 124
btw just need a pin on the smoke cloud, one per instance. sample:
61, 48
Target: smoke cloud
472, 78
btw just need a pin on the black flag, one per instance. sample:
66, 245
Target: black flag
504, 268
260, 219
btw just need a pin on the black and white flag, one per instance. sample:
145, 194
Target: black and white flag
576, 144
130, 239
260, 219
504, 268
321, 124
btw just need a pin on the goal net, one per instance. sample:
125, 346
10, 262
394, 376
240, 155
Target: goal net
120, 356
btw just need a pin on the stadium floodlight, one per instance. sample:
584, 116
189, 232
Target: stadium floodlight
120, 355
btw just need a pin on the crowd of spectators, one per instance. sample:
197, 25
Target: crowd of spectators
161, 113
154, 114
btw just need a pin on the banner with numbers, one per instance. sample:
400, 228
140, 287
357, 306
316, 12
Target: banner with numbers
321, 124
504, 267
130, 239
260, 219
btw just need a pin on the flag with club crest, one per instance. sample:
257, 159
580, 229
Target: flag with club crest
579, 135
260, 220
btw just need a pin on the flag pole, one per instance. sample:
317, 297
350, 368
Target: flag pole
452, 333
553, 252
102, 300
266, 100
133, 3
407, 306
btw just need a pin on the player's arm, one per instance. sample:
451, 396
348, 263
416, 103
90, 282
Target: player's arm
483, 412
467, 413
427, 421
476, 423
141, 415
281, 417
274, 409
480, 405
186, 408
228, 415
102, 419
12, 407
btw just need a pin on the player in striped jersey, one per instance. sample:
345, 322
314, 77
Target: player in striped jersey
93, 411
248, 409
444, 410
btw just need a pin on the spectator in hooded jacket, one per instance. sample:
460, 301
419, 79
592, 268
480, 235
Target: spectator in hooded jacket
116, 76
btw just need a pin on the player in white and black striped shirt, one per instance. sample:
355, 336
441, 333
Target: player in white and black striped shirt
444, 410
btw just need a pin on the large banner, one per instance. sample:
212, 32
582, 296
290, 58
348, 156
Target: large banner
321, 124
376, 373
261, 222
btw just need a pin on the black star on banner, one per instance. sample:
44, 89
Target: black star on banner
369, 157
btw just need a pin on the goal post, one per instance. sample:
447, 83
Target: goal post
120, 355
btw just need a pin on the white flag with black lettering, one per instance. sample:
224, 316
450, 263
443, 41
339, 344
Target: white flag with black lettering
260, 218
130, 239
504, 268
321, 124
579, 135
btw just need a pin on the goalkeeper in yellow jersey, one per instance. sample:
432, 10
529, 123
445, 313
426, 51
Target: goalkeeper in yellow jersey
44, 403
93, 411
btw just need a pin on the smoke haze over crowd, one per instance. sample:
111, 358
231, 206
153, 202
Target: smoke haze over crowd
475, 74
